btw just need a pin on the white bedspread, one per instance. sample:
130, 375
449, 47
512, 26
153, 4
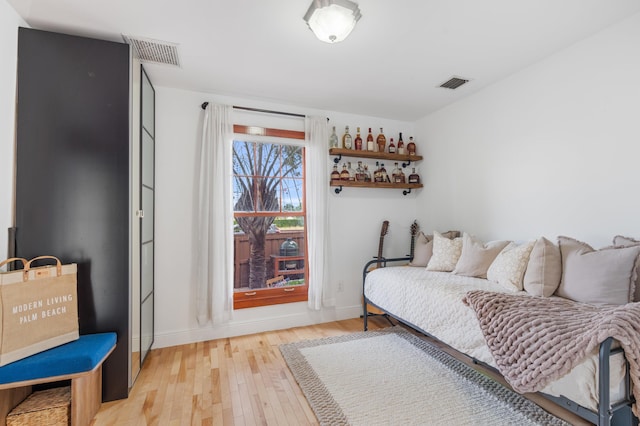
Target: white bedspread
432, 301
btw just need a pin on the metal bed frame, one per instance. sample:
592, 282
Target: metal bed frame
618, 414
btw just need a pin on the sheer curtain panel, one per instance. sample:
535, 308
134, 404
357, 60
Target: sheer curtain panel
214, 229
317, 136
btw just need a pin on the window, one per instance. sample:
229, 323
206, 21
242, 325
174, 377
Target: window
270, 264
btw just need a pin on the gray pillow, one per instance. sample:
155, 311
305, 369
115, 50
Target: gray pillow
422, 250
621, 241
544, 269
605, 276
476, 256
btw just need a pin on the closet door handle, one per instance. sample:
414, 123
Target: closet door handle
140, 213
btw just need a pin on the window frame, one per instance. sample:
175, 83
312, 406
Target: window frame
279, 295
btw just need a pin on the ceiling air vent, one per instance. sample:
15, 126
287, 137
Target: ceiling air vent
156, 51
454, 83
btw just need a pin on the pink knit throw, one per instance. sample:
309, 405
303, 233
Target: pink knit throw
536, 340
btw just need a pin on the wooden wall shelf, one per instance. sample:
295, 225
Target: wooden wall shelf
405, 158
350, 184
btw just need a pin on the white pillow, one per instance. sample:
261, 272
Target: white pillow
509, 266
446, 253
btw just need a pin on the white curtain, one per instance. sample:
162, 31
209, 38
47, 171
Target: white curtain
317, 136
214, 225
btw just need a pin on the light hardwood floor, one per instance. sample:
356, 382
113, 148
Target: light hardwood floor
235, 381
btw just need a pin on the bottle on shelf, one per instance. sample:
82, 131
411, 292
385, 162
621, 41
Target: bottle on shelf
384, 177
411, 146
344, 174
395, 172
400, 145
400, 177
367, 174
347, 140
358, 141
414, 177
333, 139
392, 147
376, 173
360, 177
381, 141
335, 174
352, 173
370, 141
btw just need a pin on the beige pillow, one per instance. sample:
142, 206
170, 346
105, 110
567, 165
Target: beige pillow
544, 270
619, 240
422, 250
446, 253
508, 268
423, 247
476, 256
597, 276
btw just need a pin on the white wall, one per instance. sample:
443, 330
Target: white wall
552, 150
9, 23
356, 216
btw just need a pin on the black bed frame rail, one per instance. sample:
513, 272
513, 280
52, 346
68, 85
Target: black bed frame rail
618, 414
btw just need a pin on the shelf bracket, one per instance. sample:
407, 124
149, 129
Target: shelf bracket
406, 191
337, 159
338, 189
407, 164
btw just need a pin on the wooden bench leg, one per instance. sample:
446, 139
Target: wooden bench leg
86, 397
9, 399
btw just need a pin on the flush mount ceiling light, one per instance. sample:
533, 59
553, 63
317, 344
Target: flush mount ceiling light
332, 20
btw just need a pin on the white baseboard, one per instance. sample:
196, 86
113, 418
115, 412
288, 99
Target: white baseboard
257, 325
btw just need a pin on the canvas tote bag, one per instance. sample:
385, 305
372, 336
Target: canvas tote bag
38, 308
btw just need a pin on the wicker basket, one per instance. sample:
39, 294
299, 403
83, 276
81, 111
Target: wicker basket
47, 407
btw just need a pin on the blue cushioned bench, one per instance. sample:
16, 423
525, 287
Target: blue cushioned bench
79, 361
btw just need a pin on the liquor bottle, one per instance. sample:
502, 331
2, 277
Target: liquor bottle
344, 174
414, 177
381, 141
376, 173
392, 147
384, 177
335, 174
347, 141
367, 174
352, 173
400, 145
358, 141
411, 146
370, 141
333, 140
360, 177
400, 177
395, 172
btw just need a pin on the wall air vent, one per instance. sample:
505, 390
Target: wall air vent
156, 51
454, 82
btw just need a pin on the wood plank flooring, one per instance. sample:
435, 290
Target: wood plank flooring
235, 381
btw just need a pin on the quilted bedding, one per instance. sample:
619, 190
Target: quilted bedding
432, 301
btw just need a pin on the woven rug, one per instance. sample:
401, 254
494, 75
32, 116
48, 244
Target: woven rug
392, 377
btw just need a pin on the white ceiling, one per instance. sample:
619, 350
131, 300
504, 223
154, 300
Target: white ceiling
388, 67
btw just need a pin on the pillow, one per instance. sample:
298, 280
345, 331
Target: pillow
476, 257
423, 247
508, 268
422, 250
544, 270
597, 276
446, 253
621, 241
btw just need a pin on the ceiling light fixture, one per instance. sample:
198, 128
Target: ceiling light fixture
332, 20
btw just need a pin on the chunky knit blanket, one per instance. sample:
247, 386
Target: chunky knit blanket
536, 340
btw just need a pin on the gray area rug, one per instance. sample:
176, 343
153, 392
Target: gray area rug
391, 377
